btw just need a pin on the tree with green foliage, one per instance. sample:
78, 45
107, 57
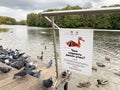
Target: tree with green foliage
98, 21
32, 19
22, 22
7, 20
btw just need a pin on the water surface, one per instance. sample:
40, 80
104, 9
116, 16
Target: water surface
32, 40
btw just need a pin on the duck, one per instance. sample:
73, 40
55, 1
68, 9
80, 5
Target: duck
107, 58
5, 69
94, 68
118, 73
100, 64
101, 82
72, 43
84, 84
48, 82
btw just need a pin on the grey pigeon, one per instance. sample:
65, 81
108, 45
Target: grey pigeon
5, 69
35, 74
1, 47
48, 82
50, 63
22, 74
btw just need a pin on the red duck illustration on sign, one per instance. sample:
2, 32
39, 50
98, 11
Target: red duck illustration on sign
72, 43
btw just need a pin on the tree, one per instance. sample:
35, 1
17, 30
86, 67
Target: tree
22, 22
32, 19
7, 20
88, 5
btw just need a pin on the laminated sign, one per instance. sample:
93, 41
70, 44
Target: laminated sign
76, 47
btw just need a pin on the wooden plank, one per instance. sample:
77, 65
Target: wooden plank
30, 82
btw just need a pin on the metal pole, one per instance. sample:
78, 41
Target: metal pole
55, 25
54, 43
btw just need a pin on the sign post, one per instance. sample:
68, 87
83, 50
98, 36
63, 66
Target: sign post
76, 46
55, 51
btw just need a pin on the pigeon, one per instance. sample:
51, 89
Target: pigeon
5, 69
21, 54
49, 63
22, 74
48, 82
64, 74
35, 74
1, 47
33, 65
7, 61
40, 57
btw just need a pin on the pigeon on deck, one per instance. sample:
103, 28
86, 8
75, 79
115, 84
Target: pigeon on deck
48, 82
22, 74
5, 69
49, 63
65, 73
35, 74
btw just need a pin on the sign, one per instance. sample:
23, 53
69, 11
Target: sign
76, 47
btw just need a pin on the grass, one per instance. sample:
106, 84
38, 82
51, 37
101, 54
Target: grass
3, 29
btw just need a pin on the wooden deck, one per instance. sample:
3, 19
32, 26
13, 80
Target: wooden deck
29, 83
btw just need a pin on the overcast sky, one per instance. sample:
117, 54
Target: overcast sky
18, 9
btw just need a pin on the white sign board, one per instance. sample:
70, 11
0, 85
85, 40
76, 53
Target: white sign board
76, 47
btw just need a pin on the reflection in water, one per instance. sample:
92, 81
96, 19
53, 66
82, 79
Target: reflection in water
3, 29
39, 33
28, 39
109, 41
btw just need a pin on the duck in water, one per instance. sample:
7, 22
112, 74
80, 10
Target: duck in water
101, 82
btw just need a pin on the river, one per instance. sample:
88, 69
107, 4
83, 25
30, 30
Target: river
32, 41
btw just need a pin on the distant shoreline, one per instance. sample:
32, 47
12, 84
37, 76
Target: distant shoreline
3, 29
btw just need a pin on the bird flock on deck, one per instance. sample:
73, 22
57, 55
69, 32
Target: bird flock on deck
18, 60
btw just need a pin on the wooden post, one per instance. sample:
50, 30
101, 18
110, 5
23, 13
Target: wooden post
66, 86
54, 43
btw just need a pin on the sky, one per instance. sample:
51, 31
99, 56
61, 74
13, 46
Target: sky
19, 9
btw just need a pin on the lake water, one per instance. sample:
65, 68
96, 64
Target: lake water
32, 40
